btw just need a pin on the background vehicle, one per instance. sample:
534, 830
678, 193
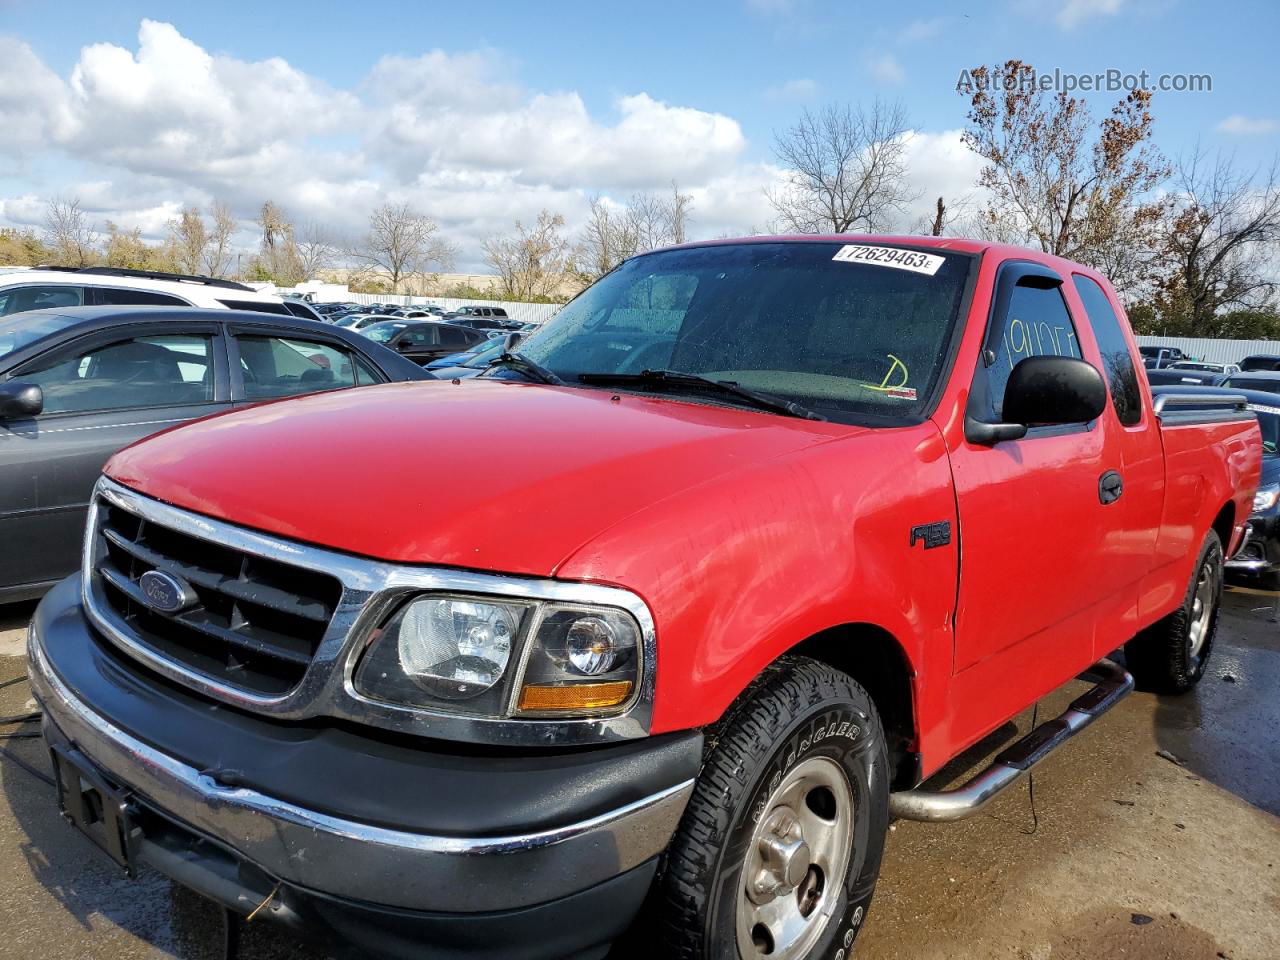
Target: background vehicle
1223, 369
1170, 375
1156, 358
358, 321
423, 340
482, 318
461, 357
329, 309
1267, 382
471, 364
694, 623
78, 384
44, 288
301, 308
1260, 361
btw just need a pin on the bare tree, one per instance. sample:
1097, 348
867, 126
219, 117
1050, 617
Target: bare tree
316, 249
1222, 234
845, 169
607, 239
68, 235
126, 248
534, 263
402, 243
1059, 181
948, 218
647, 221
217, 251
190, 238
277, 255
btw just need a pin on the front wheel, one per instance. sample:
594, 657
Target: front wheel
1170, 655
778, 852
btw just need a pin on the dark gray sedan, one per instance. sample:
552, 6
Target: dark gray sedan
78, 384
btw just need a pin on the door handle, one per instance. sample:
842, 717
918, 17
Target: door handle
1110, 486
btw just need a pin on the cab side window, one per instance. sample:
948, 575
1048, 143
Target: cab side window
1036, 324
164, 371
1117, 362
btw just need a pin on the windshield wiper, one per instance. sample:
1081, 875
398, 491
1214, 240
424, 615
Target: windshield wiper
676, 378
530, 368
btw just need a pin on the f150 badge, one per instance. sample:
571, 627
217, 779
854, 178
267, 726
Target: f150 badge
933, 534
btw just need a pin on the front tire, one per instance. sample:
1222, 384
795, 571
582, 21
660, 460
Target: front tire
1170, 655
778, 852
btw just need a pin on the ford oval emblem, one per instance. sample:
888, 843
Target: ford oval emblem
165, 593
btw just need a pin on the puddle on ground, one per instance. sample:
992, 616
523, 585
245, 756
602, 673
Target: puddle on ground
1113, 933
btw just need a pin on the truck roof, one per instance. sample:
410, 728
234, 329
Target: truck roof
956, 244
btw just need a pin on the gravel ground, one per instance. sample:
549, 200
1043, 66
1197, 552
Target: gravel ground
1155, 836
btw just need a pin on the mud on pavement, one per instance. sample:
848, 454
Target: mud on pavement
1155, 836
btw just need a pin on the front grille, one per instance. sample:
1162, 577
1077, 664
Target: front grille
256, 623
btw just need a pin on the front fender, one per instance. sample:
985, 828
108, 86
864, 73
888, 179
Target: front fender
741, 569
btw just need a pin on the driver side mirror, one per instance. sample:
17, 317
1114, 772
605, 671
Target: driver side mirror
20, 400
1043, 391
404, 346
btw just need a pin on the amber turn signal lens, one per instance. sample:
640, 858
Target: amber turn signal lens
575, 696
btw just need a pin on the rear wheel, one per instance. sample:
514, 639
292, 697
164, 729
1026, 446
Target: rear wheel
779, 849
1170, 656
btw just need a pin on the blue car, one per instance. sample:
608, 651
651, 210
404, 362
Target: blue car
460, 359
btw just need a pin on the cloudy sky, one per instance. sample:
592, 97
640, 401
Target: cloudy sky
485, 112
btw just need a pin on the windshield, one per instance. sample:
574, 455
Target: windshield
24, 328
382, 332
847, 330
1269, 424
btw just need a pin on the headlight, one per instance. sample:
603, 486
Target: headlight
501, 658
582, 660
1266, 497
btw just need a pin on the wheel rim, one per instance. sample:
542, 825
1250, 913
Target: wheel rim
796, 862
1202, 604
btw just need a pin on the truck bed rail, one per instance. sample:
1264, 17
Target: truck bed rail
1177, 409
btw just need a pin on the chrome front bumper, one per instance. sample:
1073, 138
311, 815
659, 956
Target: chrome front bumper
361, 861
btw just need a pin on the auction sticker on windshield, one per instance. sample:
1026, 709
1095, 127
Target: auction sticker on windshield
913, 260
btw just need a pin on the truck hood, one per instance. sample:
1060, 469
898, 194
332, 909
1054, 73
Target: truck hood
483, 474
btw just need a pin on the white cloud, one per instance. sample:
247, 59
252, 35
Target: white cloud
885, 69
939, 165
918, 31
793, 91
1072, 13
138, 133
1239, 123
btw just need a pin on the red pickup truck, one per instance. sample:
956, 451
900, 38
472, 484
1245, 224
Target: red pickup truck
666, 615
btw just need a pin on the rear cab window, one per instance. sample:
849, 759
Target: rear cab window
1117, 361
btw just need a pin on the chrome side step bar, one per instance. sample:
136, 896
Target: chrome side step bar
1112, 684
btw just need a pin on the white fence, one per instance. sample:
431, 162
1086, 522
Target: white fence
1214, 351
